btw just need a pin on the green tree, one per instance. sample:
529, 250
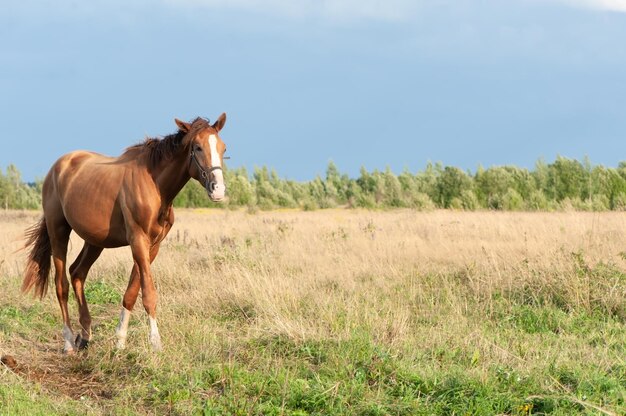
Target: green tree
568, 179
427, 180
240, 191
392, 190
492, 185
16, 194
450, 184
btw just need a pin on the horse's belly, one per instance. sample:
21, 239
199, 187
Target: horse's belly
97, 220
102, 235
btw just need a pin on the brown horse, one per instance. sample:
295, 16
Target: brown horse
113, 202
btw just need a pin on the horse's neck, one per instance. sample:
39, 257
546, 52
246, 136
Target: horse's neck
171, 176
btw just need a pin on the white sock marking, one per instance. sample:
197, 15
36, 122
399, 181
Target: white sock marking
122, 328
155, 337
68, 337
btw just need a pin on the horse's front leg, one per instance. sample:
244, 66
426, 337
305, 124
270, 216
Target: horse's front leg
149, 297
141, 277
128, 303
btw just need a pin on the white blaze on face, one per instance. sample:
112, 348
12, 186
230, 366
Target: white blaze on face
220, 188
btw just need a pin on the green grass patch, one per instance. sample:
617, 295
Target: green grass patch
101, 292
19, 398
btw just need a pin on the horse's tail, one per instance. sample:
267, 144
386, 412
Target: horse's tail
38, 264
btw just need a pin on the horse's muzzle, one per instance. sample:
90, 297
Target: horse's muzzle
216, 191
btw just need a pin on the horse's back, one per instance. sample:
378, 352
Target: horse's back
82, 172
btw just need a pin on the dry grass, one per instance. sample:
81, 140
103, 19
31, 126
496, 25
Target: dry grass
484, 293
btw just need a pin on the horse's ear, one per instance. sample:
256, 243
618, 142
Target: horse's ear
185, 127
219, 124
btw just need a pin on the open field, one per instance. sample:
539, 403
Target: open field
339, 312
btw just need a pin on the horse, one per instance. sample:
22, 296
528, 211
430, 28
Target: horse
113, 202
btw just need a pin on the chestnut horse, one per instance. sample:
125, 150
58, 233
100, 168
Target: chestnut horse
113, 202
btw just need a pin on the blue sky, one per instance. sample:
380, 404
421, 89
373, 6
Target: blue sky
368, 83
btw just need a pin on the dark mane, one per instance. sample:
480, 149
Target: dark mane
157, 149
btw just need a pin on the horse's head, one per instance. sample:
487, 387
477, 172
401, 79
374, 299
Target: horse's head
206, 154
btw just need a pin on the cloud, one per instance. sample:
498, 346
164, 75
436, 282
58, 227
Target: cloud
609, 5
334, 10
331, 9
390, 11
381, 10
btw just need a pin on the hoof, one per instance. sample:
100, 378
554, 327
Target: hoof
81, 343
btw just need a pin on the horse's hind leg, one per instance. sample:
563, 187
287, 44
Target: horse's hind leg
59, 232
78, 272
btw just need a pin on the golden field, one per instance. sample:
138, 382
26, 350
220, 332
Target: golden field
284, 312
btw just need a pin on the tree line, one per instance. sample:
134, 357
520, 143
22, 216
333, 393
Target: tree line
560, 185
